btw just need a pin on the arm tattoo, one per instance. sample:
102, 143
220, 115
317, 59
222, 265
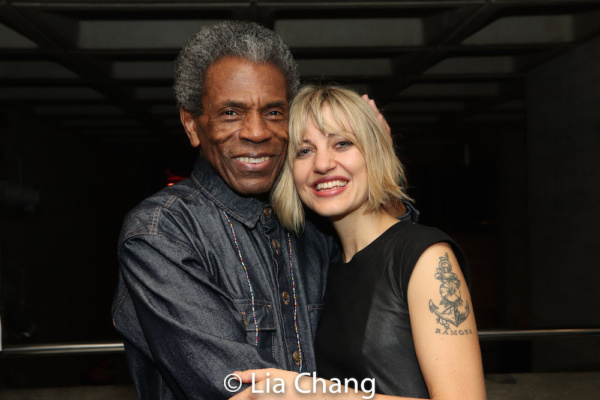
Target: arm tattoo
453, 309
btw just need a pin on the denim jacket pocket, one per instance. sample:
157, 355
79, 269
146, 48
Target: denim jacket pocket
265, 319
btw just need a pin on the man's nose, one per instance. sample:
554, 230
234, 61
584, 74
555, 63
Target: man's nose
324, 161
255, 128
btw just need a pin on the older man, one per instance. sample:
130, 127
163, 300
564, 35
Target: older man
209, 281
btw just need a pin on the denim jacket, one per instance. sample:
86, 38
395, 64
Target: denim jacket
188, 309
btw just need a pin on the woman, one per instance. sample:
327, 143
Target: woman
397, 310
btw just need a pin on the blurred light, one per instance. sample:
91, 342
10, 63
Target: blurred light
173, 178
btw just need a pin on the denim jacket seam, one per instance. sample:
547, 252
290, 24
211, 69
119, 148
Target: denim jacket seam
193, 195
245, 301
122, 296
177, 243
273, 344
170, 238
221, 205
158, 212
274, 265
154, 221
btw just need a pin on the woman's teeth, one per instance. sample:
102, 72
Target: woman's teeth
331, 185
252, 160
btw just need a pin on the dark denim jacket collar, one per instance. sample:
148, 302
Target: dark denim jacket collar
246, 210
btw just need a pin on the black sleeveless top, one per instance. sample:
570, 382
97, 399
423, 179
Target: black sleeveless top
364, 330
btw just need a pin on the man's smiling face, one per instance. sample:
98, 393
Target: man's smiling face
243, 131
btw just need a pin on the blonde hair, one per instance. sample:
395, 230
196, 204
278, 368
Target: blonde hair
360, 125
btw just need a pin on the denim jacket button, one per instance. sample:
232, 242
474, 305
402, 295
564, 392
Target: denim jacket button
268, 211
297, 357
286, 297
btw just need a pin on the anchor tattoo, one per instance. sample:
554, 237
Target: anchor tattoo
454, 311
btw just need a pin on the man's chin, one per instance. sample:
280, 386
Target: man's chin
252, 188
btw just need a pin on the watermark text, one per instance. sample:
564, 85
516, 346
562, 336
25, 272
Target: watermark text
318, 385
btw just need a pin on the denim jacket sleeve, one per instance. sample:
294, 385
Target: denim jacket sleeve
182, 320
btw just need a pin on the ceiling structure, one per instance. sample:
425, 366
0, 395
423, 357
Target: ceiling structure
441, 69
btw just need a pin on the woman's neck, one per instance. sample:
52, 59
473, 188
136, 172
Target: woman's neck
359, 229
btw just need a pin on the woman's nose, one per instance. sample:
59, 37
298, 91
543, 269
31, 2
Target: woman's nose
324, 161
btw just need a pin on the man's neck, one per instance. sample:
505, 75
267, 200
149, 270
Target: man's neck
262, 197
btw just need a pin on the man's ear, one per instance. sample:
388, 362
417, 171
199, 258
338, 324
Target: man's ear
191, 126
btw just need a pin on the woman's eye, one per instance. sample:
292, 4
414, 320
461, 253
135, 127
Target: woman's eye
344, 143
302, 152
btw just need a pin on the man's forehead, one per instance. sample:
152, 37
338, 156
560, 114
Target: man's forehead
236, 80
225, 67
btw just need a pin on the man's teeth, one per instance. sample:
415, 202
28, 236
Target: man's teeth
252, 160
331, 185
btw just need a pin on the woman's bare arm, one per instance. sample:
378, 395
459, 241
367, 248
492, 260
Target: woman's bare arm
443, 327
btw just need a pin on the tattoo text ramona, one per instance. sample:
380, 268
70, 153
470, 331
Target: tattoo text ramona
452, 309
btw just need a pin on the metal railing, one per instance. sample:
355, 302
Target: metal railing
498, 335
116, 347
62, 349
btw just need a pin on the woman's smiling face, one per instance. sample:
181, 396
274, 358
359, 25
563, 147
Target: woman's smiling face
330, 172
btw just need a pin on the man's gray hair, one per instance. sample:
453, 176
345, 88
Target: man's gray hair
242, 39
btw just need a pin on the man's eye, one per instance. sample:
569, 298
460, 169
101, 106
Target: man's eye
229, 112
274, 113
